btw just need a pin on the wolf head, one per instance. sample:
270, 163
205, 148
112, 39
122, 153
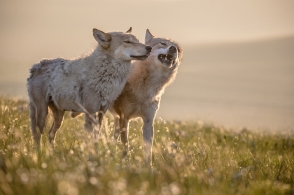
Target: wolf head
165, 52
123, 46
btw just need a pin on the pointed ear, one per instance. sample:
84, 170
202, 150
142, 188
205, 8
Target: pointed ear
148, 36
130, 30
102, 38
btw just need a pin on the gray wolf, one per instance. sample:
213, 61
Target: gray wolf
87, 84
143, 90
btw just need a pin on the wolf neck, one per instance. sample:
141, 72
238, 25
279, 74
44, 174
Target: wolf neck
109, 75
143, 75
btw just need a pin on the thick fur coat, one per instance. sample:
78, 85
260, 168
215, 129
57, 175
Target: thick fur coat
144, 88
87, 84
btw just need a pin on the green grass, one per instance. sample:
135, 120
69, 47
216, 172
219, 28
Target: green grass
188, 158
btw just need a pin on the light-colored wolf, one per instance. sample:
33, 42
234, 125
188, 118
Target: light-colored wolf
144, 88
87, 84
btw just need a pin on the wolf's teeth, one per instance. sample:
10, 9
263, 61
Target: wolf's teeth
162, 56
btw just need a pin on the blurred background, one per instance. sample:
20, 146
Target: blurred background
238, 67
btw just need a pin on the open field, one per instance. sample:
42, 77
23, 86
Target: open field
189, 158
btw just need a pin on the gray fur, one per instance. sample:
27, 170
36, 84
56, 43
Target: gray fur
86, 84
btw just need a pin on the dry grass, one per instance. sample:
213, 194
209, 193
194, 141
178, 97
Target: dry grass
189, 158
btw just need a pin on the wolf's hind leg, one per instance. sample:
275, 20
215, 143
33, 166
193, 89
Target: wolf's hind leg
58, 118
42, 111
41, 114
36, 135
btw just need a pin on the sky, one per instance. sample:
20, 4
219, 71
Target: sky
37, 28
187, 21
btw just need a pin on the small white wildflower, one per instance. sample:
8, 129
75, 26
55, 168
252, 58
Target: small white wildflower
44, 165
93, 180
174, 188
24, 177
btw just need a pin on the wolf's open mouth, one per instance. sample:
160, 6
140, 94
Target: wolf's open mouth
166, 59
143, 57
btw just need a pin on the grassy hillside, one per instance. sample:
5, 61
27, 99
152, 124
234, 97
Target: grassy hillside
189, 158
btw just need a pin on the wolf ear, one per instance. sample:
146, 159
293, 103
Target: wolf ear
130, 30
148, 36
102, 38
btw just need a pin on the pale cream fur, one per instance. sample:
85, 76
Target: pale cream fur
143, 90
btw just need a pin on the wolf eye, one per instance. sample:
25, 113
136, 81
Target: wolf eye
162, 43
128, 42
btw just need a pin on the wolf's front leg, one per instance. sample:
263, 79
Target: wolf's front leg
89, 121
148, 140
124, 131
116, 128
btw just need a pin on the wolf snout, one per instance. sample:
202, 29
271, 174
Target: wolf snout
172, 49
148, 48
